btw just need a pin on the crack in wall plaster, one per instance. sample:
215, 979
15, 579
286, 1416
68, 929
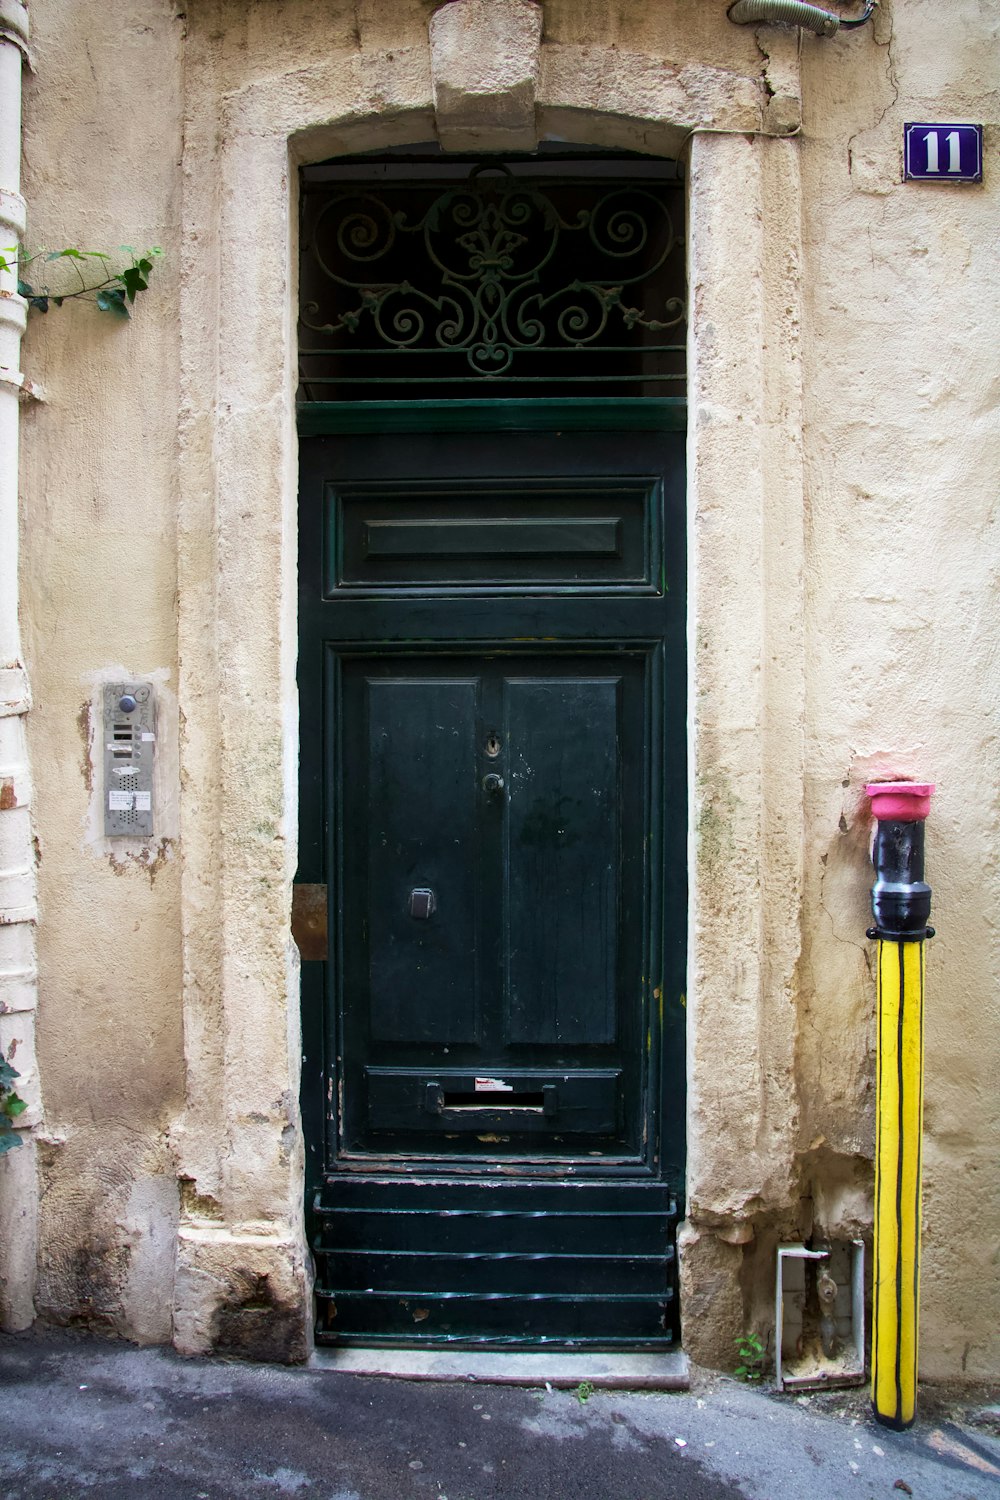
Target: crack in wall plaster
892, 79
782, 83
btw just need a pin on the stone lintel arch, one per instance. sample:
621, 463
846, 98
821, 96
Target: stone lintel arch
242, 1279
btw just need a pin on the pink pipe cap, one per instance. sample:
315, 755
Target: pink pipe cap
901, 801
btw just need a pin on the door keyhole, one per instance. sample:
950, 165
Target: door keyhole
493, 747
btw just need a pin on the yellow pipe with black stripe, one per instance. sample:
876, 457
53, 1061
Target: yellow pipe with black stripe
901, 906
896, 1289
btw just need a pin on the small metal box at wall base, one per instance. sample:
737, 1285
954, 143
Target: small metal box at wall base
801, 1360
129, 746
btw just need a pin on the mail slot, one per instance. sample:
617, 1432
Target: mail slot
544, 1100
408, 1099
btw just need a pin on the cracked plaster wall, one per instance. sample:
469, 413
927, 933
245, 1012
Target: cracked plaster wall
98, 490
872, 653
902, 452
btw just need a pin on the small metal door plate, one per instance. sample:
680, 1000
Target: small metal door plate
309, 921
422, 904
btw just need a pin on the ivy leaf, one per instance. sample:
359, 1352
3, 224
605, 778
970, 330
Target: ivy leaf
7, 1073
112, 299
116, 287
8, 1140
134, 281
13, 1106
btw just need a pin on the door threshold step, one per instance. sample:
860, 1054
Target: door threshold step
531, 1367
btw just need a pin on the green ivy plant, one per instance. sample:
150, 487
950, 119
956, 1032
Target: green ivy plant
11, 1105
111, 282
750, 1353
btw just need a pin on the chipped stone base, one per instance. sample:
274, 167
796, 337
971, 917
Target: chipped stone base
711, 1296
244, 1295
18, 1236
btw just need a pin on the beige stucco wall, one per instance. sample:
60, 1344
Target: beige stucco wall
99, 499
843, 458
902, 454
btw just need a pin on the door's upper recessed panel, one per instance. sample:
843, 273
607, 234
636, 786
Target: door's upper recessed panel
524, 535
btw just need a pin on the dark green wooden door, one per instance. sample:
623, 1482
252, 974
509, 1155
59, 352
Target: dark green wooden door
491, 669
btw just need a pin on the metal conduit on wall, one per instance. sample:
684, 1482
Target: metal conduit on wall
795, 13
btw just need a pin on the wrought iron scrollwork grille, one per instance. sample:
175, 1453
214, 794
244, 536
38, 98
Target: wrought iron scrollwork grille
496, 284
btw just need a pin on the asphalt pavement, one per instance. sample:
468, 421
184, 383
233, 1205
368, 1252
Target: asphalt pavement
82, 1416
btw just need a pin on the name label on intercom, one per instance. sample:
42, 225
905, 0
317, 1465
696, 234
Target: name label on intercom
129, 751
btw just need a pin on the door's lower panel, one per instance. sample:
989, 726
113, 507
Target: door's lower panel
496, 859
489, 1261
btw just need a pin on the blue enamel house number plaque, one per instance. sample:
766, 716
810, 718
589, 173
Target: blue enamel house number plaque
943, 153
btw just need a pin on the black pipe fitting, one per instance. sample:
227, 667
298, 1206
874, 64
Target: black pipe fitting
901, 899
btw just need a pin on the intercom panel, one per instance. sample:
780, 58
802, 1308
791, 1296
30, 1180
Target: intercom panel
129, 750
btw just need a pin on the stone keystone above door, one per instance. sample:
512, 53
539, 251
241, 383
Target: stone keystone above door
485, 58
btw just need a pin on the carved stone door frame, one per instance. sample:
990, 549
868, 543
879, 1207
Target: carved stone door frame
242, 1272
